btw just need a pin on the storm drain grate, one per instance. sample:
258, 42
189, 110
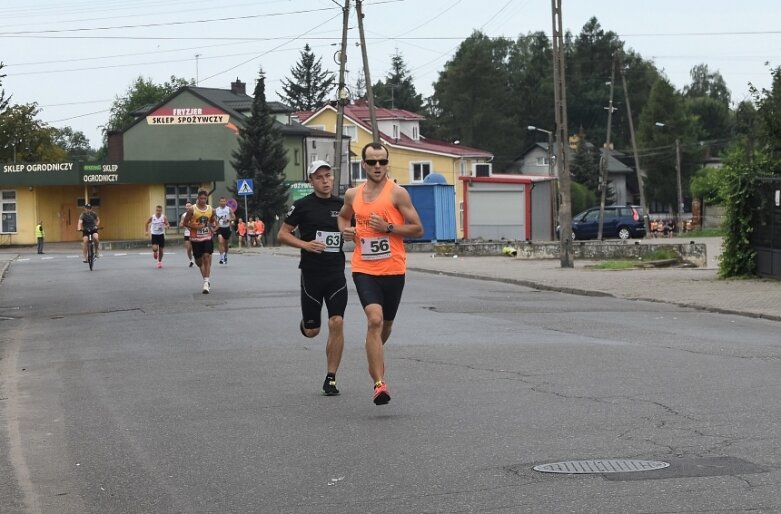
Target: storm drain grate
601, 466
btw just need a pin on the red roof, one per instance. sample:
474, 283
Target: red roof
359, 114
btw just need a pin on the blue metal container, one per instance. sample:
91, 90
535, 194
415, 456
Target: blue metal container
435, 202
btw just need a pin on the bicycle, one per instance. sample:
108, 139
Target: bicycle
92, 249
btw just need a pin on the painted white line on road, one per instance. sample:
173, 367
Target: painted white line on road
23, 260
46, 258
119, 254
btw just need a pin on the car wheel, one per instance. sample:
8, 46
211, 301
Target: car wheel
573, 235
623, 233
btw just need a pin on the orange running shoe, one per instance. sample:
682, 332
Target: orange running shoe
381, 395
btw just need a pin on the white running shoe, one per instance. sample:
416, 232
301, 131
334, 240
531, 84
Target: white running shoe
206, 287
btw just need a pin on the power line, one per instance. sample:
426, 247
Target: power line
167, 24
273, 49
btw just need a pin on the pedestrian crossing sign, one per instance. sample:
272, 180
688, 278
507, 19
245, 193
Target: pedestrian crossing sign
244, 186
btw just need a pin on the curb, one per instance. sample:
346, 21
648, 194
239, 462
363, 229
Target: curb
590, 292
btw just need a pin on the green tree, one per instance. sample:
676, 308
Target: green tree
584, 165
665, 106
3, 100
397, 90
581, 197
746, 126
310, 85
738, 191
707, 84
590, 61
471, 99
768, 119
74, 142
261, 156
714, 122
531, 79
25, 138
141, 93
359, 90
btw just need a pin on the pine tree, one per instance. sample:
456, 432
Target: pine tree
310, 85
3, 99
584, 166
262, 157
359, 92
398, 91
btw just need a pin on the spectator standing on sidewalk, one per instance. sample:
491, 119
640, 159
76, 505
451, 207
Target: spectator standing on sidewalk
241, 230
251, 241
260, 228
39, 235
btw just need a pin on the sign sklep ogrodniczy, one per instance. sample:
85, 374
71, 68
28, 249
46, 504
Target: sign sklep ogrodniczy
115, 173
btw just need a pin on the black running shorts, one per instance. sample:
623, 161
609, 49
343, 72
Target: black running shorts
202, 247
384, 290
159, 240
225, 232
316, 288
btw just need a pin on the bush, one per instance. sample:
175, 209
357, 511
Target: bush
581, 197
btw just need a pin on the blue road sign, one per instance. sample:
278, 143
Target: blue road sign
244, 186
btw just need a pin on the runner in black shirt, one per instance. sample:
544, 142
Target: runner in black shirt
322, 264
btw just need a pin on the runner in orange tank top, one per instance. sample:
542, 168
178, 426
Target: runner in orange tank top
384, 216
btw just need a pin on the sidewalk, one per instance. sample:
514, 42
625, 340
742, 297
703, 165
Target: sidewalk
698, 288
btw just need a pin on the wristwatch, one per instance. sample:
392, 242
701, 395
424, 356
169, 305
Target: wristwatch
389, 229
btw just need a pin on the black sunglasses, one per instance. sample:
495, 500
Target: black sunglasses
373, 162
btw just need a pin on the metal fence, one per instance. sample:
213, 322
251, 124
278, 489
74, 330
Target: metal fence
766, 238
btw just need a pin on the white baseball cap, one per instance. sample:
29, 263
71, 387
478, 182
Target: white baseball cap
316, 165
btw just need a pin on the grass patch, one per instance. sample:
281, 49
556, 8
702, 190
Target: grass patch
661, 254
613, 265
702, 232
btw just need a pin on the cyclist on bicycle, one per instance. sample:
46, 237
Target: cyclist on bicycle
88, 223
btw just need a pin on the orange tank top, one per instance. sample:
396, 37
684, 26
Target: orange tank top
377, 253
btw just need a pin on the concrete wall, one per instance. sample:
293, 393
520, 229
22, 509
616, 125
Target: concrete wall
695, 253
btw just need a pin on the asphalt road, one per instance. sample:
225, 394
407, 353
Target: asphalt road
125, 390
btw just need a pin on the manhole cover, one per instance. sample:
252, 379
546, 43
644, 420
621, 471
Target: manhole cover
601, 466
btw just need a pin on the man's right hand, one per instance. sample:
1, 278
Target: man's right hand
315, 246
348, 234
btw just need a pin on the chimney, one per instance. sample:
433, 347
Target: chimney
238, 87
116, 146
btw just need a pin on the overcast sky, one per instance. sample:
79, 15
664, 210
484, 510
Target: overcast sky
74, 57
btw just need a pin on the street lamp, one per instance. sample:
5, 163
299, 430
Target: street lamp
679, 220
550, 145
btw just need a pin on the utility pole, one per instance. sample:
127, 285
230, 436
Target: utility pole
197, 56
369, 88
341, 99
679, 222
606, 155
639, 172
562, 162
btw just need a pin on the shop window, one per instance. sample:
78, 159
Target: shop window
8, 212
176, 196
